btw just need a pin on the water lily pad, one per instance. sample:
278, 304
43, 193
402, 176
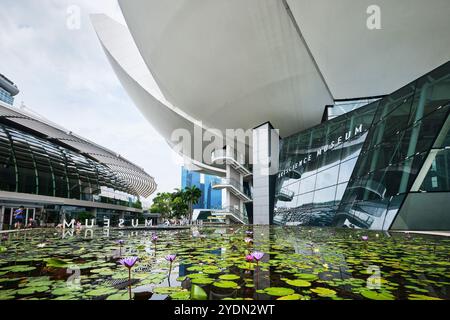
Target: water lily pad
56, 263
119, 296
31, 290
3, 249
294, 296
229, 277
19, 268
181, 295
67, 290
374, 295
202, 280
307, 276
278, 291
197, 293
298, 283
226, 284
103, 291
167, 290
421, 297
324, 292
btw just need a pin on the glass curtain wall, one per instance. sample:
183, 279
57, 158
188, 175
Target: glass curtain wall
357, 169
32, 165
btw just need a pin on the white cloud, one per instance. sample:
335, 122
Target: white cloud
64, 75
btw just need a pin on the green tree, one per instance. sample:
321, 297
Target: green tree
192, 196
162, 204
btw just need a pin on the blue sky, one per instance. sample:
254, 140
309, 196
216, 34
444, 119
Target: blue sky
64, 76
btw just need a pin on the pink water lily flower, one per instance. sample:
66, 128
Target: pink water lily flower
154, 237
365, 238
249, 258
248, 240
257, 255
171, 257
128, 262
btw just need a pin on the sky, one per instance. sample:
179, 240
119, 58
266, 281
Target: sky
64, 76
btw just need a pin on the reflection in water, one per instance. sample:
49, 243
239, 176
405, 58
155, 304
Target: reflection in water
298, 263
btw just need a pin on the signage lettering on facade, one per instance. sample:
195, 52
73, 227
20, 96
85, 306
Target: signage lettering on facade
322, 150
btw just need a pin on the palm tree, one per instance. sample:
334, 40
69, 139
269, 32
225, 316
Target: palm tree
192, 196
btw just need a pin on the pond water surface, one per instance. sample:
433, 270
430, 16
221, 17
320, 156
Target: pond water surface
298, 264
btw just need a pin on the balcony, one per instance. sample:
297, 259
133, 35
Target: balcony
224, 157
234, 187
231, 213
285, 195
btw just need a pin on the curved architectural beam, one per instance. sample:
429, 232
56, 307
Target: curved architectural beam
233, 64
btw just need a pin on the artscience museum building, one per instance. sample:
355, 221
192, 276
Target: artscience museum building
349, 123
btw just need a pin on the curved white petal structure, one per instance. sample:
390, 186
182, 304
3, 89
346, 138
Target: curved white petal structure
236, 64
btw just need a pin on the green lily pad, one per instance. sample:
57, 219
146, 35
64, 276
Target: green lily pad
19, 268
307, 276
229, 277
31, 290
181, 295
101, 292
56, 263
278, 291
324, 292
202, 280
294, 296
421, 297
3, 249
197, 293
299, 283
62, 291
167, 290
119, 296
226, 284
374, 295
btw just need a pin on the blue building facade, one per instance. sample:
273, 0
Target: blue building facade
211, 198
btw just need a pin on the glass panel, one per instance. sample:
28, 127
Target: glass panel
438, 176
307, 184
325, 196
327, 178
346, 170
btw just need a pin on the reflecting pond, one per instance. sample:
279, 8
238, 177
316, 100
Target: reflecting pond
217, 263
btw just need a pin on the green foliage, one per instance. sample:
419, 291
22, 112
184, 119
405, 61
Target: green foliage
177, 204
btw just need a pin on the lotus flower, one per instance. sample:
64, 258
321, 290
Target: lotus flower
257, 255
129, 262
171, 257
249, 258
365, 238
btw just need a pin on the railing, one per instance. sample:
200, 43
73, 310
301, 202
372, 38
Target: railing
217, 155
285, 193
234, 183
235, 212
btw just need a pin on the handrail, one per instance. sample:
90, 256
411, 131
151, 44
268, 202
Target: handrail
233, 183
223, 154
286, 192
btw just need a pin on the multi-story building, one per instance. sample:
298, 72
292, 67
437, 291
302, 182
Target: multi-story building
57, 175
297, 104
7, 90
211, 198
